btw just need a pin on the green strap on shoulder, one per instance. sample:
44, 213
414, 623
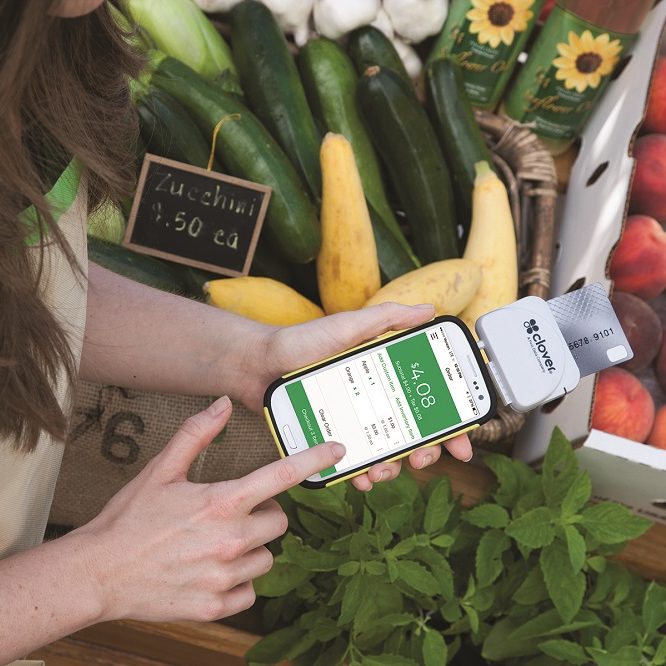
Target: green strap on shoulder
60, 199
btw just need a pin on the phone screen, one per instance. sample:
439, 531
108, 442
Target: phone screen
389, 397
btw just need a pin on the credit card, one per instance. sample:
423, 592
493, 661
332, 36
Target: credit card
591, 328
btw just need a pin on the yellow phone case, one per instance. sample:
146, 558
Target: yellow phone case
391, 334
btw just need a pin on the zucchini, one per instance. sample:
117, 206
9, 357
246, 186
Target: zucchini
248, 151
369, 46
330, 82
138, 267
271, 84
458, 132
400, 129
168, 130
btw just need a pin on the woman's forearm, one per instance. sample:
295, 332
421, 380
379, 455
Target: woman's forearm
46, 593
147, 339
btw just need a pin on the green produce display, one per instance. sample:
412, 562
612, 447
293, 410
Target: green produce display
181, 30
369, 46
270, 81
405, 575
137, 267
168, 130
248, 151
403, 136
330, 83
458, 132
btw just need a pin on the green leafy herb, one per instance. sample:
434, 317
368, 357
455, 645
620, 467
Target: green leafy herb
405, 576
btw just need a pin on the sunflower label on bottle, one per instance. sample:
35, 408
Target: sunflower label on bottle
570, 65
485, 37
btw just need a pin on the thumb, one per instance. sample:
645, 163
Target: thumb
191, 439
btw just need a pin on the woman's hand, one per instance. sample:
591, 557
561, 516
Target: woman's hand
165, 549
287, 349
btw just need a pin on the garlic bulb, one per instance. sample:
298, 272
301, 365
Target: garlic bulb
409, 57
414, 20
334, 18
293, 16
383, 23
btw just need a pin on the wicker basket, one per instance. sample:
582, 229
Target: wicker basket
528, 171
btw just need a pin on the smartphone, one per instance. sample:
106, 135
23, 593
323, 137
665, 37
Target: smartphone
383, 399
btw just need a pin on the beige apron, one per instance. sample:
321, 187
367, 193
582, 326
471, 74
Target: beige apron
27, 481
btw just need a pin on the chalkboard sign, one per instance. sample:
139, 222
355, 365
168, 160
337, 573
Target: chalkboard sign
196, 217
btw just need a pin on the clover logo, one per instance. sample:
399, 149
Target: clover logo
531, 326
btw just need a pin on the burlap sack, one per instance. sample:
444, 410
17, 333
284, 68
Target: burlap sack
115, 432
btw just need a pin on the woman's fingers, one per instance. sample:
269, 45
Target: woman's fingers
460, 447
426, 456
251, 565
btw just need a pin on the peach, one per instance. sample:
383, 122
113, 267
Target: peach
641, 325
647, 192
660, 365
622, 405
655, 115
658, 435
638, 262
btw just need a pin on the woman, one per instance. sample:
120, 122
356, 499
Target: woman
163, 548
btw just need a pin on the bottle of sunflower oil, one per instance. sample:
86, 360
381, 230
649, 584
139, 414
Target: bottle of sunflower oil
485, 38
570, 65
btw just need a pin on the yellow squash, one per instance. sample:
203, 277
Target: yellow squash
491, 245
449, 285
347, 266
262, 299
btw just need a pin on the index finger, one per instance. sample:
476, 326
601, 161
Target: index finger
275, 478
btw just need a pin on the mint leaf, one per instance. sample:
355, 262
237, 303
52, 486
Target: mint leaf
533, 529
559, 468
624, 632
387, 660
487, 515
440, 568
296, 552
348, 568
532, 590
379, 598
575, 546
450, 611
333, 655
443, 541
275, 646
473, 617
565, 587
396, 516
417, 577
489, 556
597, 563
316, 525
391, 567
375, 568
578, 494
660, 655
282, 578
613, 523
329, 500
351, 599
508, 484
404, 547
434, 648
438, 508
549, 623
627, 656
654, 608
500, 644
566, 651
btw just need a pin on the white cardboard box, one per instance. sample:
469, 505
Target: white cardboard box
592, 216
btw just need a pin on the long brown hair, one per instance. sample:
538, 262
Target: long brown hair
63, 93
